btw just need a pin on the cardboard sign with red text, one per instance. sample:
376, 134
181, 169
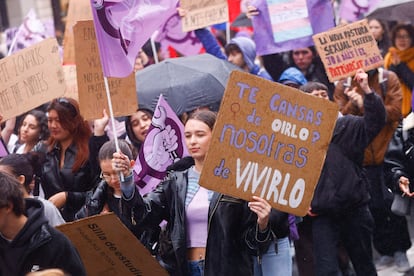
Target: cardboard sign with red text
345, 49
269, 140
107, 247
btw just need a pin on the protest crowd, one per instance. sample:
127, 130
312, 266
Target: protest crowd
134, 129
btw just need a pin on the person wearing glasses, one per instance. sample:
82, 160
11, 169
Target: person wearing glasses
400, 60
71, 167
107, 195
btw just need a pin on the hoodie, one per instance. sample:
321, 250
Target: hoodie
292, 75
38, 246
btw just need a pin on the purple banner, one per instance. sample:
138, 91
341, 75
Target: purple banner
123, 26
171, 34
163, 146
321, 16
3, 149
354, 10
30, 32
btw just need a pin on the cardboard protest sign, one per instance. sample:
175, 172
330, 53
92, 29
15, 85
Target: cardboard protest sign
107, 247
289, 19
269, 140
71, 91
77, 11
91, 86
345, 49
30, 77
203, 13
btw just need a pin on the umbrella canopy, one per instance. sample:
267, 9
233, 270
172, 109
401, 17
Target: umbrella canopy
398, 10
186, 82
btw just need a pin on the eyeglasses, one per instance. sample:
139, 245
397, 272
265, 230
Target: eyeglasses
109, 176
68, 105
402, 37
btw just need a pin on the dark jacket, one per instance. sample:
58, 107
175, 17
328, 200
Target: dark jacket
38, 246
342, 184
55, 180
103, 194
390, 92
232, 228
399, 159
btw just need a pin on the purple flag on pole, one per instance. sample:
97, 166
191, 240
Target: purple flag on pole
123, 26
163, 146
321, 16
171, 34
353, 10
31, 31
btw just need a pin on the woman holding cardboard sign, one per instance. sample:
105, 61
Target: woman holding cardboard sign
211, 233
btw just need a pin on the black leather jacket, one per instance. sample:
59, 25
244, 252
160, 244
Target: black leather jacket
399, 159
103, 194
55, 180
232, 229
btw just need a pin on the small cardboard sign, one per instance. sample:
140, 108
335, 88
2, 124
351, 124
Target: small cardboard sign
78, 10
30, 77
203, 13
90, 78
71, 90
345, 49
107, 247
269, 140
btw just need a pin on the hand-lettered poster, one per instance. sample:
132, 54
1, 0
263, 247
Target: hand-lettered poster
269, 140
107, 247
345, 49
203, 13
90, 78
30, 77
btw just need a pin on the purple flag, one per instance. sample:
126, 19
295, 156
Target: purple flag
163, 146
123, 26
321, 16
3, 149
30, 32
171, 34
353, 10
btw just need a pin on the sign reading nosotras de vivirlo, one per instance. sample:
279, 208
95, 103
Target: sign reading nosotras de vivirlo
269, 140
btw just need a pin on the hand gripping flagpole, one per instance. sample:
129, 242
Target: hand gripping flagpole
111, 115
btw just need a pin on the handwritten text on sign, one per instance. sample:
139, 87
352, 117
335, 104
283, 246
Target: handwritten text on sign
203, 13
269, 140
345, 49
30, 77
91, 85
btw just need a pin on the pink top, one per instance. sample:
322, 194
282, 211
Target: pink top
197, 219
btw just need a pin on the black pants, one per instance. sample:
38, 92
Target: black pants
390, 231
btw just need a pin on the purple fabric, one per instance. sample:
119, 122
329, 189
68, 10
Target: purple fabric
321, 18
294, 234
171, 34
122, 27
163, 145
3, 149
31, 31
352, 10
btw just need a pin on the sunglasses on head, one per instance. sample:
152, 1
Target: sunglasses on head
68, 105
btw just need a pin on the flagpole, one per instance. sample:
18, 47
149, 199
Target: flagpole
14, 41
111, 115
154, 50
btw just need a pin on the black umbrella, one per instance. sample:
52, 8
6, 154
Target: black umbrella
186, 82
398, 10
